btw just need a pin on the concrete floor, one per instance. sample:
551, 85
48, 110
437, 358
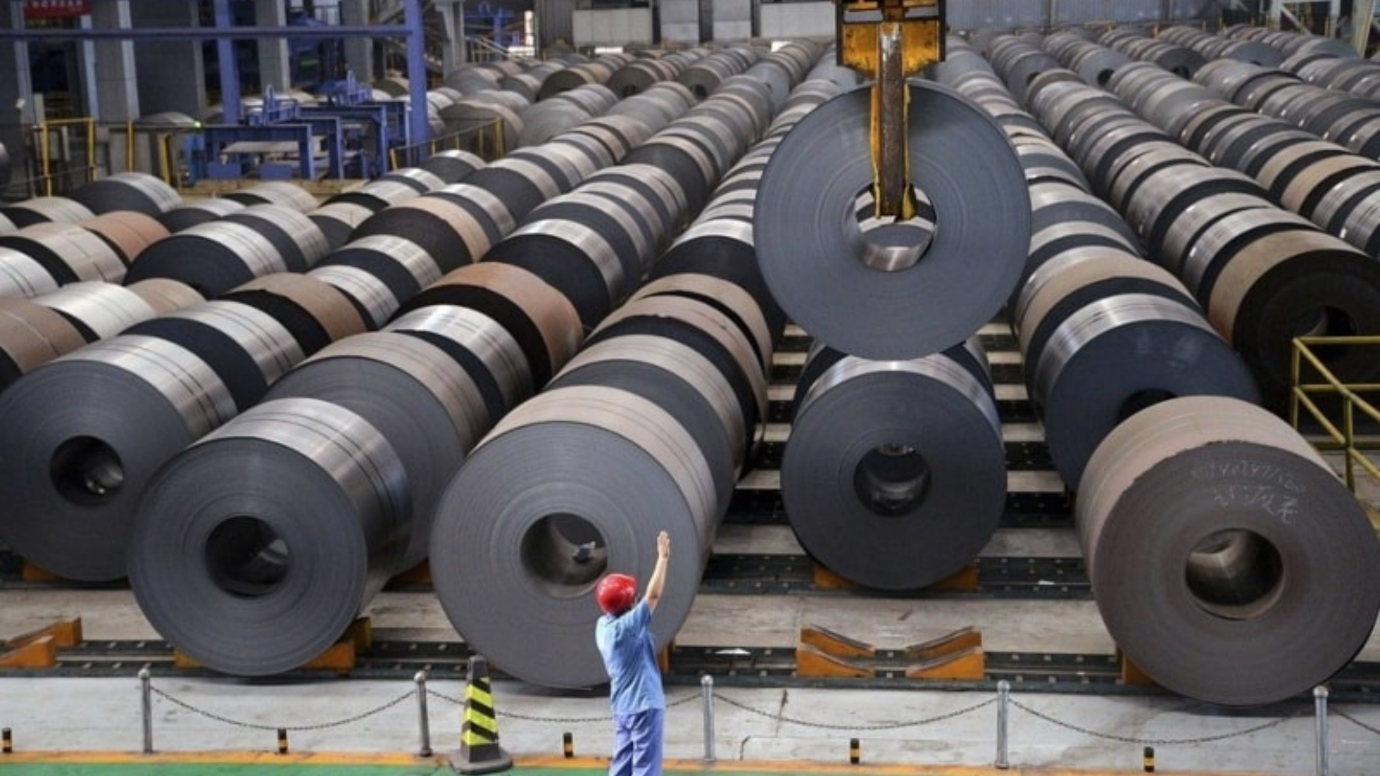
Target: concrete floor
789, 727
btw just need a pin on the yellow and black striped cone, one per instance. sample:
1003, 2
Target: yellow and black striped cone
479, 749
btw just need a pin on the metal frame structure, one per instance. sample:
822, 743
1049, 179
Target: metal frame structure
224, 33
1345, 437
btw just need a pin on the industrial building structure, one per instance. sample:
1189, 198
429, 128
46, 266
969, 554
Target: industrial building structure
1004, 373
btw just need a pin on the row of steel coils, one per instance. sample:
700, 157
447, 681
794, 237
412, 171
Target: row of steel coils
1227, 560
319, 469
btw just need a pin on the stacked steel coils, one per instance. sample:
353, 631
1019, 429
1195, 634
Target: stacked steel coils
646, 430
595, 71
1228, 562
1190, 508
1102, 332
640, 74
1262, 275
43, 210
38, 259
219, 255
341, 214
86, 432
372, 428
704, 76
543, 120
1177, 59
1217, 47
36, 331
1293, 43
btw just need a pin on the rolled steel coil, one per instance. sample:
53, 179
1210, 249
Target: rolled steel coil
256, 574
491, 355
638, 75
453, 165
67, 253
98, 310
723, 249
312, 311
1105, 334
129, 233
475, 117
894, 472
136, 191
544, 323
191, 214
418, 179
596, 71
530, 528
710, 329
279, 193
166, 296
705, 76
423, 402
32, 335
1227, 561
217, 256
76, 476
945, 296
400, 265
43, 210
4, 167
454, 226
472, 78
21, 276
340, 215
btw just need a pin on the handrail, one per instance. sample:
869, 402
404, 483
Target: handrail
487, 142
1301, 395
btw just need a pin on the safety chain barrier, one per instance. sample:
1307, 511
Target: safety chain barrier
869, 727
1157, 741
708, 697
293, 728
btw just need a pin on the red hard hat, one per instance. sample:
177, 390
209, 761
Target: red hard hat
616, 592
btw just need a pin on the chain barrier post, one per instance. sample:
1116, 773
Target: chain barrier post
1320, 712
282, 741
1003, 704
6, 742
423, 719
146, 707
707, 690
568, 744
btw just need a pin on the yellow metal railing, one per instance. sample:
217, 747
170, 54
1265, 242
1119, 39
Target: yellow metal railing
1352, 400
484, 139
50, 131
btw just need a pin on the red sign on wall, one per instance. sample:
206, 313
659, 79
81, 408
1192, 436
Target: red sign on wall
55, 9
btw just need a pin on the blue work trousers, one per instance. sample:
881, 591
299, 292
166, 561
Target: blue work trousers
637, 743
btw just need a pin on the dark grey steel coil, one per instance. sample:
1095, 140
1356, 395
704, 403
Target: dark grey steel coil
279, 193
423, 402
516, 522
490, 354
1227, 561
201, 211
894, 471
945, 296
453, 165
136, 191
256, 548
98, 309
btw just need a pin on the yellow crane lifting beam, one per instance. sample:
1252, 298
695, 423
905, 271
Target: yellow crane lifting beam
888, 41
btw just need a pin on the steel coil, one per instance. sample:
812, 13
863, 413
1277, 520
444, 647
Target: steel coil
67, 253
279, 193
946, 295
98, 310
490, 354
894, 473
1227, 561
185, 216
258, 573
136, 191
32, 335
452, 166
529, 528
544, 323
43, 210
129, 233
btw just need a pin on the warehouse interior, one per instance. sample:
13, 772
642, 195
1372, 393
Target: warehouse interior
1004, 373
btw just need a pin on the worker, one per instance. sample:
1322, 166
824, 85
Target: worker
623, 635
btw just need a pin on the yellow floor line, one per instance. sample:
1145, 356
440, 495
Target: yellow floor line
553, 762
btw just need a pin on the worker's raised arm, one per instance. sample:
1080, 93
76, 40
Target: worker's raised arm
658, 580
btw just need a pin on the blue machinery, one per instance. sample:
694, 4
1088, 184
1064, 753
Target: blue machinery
224, 32
350, 136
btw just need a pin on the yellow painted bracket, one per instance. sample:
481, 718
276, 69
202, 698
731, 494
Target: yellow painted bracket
834, 643
948, 644
810, 661
1131, 673
341, 657
968, 663
889, 41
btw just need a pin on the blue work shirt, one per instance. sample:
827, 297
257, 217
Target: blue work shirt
625, 643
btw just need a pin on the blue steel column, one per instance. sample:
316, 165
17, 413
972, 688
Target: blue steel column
229, 68
416, 71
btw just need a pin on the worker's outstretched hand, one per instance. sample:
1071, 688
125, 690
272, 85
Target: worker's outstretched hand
663, 545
